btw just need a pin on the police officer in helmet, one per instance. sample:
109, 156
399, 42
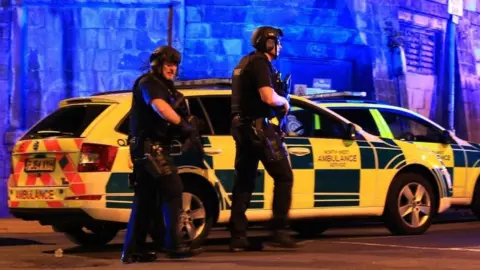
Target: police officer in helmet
254, 99
156, 117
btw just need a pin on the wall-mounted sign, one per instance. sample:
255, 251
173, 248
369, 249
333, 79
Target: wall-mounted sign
455, 7
322, 83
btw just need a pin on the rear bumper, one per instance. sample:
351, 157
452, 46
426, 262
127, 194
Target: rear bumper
51, 216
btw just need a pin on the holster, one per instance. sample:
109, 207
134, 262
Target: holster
270, 139
281, 128
152, 157
157, 161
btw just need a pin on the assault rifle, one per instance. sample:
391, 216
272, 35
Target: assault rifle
283, 88
193, 140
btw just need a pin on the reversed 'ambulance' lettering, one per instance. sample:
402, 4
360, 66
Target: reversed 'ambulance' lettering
35, 194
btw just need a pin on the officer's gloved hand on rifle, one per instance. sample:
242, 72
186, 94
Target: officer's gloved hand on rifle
185, 128
282, 88
190, 135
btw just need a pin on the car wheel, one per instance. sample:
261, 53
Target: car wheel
475, 206
97, 236
410, 205
308, 228
196, 218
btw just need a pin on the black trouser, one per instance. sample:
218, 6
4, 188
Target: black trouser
254, 145
158, 190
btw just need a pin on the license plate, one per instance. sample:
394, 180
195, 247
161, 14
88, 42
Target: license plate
40, 165
35, 194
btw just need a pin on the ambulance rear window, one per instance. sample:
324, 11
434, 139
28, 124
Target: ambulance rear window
69, 121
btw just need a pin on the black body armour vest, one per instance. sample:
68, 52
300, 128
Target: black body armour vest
142, 116
246, 100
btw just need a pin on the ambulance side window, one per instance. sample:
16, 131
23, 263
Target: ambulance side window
197, 109
218, 110
124, 125
408, 127
361, 117
306, 121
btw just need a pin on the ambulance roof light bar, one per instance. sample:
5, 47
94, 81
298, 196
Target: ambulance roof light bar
343, 94
220, 83
341, 97
213, 82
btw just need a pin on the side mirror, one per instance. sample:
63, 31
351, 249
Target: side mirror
351, 132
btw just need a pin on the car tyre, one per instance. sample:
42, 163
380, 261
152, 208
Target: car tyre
475, 206
196, 218
410, 205
98, 236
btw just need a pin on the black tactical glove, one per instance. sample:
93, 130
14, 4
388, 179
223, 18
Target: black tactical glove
190, 135
185, 128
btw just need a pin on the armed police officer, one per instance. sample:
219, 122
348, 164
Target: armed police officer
254, 102
154, 123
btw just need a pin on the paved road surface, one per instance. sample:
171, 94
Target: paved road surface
445, 246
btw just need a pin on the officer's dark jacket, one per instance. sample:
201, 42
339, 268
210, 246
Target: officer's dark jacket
253, 72
144, 120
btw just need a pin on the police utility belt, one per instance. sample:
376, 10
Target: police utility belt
139, 146
261, 126
257, 123
266, 134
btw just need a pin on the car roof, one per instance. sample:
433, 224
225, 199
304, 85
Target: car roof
211, 87
222, 87
122, 96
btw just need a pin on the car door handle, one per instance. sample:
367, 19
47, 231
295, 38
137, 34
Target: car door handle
212, 151
299, 151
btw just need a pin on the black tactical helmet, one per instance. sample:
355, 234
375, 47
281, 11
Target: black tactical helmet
265, 38
165, 54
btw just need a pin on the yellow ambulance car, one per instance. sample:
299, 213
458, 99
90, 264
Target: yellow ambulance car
70, 170
461, 157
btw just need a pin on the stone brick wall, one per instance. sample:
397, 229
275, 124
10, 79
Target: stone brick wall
321, 39
49, 51
425, 23
73, 49
468, 53
5, 86
425, 33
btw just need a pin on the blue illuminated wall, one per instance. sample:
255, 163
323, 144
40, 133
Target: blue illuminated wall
51, 51
323, 39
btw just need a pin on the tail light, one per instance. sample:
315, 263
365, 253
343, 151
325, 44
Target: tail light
96, 158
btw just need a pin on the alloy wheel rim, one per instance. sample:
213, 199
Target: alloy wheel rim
193, 217
414, 205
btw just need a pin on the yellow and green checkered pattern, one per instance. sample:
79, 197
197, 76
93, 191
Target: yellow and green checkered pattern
461, 161
332, 173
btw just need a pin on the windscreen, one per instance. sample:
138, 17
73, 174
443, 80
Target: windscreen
68, 121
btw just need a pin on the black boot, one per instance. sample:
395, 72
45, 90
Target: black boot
139, 257
280, 238
183, 251
241, 243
